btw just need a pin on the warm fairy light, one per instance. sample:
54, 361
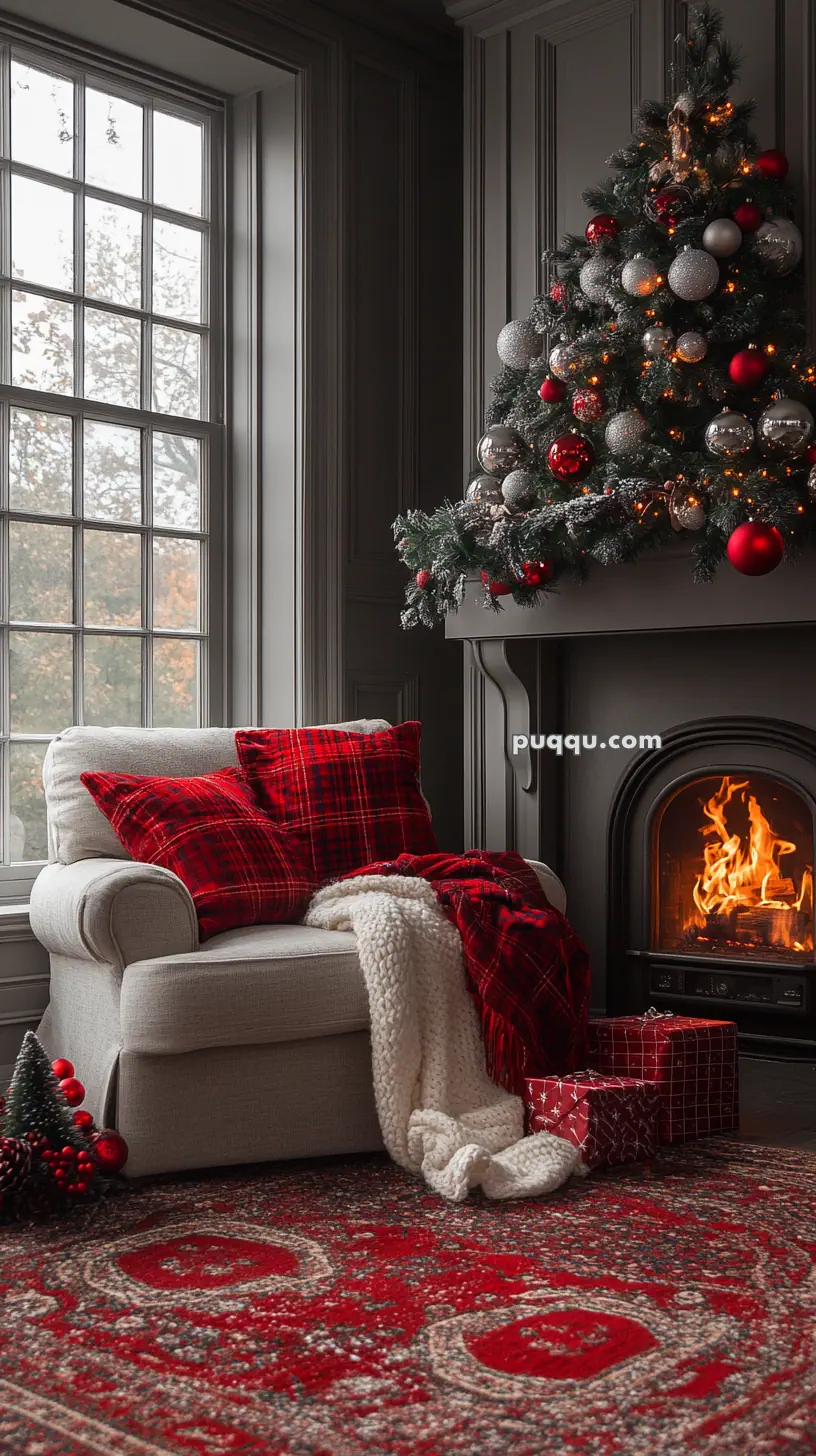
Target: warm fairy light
605, 358
650, 313
672, 230
660, 278
735, 490
730, 286
800, 510
594, 379
771, 349
746, 169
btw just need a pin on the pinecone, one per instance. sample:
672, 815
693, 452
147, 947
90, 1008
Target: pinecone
15, 1166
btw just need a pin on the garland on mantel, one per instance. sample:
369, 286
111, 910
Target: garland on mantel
674, 391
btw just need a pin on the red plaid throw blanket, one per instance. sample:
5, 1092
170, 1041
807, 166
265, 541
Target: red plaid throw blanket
527, 971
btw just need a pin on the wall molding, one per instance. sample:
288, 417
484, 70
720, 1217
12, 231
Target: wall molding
406, 690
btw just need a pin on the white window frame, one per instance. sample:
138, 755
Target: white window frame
83, 66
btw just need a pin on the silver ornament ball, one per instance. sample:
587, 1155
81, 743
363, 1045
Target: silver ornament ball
518, 489
729, 434
693, 275
722, 237
519, 344
778, 245
566, 359
501, 450
656, 340
639, 276
484, 490
811, 483
784, 428
686, 510
595, 278
625, 432
692, 347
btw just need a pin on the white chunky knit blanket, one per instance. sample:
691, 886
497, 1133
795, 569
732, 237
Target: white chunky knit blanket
440, 1114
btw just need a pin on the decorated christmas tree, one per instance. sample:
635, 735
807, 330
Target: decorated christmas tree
660, 385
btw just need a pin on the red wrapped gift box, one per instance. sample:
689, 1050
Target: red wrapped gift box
611, 1119
693, 1061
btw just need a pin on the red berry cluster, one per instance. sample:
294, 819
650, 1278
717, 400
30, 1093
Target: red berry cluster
73, 1169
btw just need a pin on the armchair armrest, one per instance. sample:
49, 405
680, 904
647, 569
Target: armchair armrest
112, 910
551, 885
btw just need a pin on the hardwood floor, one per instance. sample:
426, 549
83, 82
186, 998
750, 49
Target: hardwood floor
778, 1103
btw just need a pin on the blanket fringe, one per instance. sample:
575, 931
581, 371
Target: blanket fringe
505, 1053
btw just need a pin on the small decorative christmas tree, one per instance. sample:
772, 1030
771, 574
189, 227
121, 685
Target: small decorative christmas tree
34, 1103
674, 393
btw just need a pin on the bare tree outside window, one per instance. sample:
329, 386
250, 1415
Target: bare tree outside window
106, 431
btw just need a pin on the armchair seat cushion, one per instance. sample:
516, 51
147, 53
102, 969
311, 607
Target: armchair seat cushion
259, 984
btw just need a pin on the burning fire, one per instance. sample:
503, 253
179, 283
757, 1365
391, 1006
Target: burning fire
747, 880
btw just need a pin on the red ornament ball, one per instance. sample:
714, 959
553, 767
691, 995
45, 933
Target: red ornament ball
571, 456
601, 228
559, 293
588, 405
83, 1120
749, 367
62, 1068
670, 203
772, 164
536, 573
423, 579
72, 1090
110, 1150
496, 588
754, 548
748, 216
810, 453
552, 390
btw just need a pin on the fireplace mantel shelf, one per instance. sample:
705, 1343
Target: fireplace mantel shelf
655, 594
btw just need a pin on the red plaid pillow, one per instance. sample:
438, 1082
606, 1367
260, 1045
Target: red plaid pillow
239, 867
351, 797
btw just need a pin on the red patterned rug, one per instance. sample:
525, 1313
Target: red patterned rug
335, 1308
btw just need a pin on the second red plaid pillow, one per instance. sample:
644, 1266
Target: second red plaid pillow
239, 867
352, 798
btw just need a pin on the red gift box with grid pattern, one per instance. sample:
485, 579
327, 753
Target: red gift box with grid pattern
611, 1119
692, 1060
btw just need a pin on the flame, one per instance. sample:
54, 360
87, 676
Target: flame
739, 876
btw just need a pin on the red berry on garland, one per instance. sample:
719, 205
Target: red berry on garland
772, 164
62, 1068
552, 390
83, 1120
755, 548
601, 228
536, 573
749, 367
571, 456
748, 216
496, 588
559, 293
588, 405
110, 1150
423, 579
72, 1090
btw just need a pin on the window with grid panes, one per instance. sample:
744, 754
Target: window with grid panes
107, 416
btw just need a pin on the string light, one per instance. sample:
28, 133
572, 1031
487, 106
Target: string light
771, 349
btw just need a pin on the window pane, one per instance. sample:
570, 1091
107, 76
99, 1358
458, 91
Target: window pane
113, 143
42, 120
41, 678
175, 583
175, 684
113, 579
113, 358
176, 271
113, 253
40, 572
40, 462
176, 481
176, 372
113, 681
42, 234
42, 343
112, 472
29, 839
177, 155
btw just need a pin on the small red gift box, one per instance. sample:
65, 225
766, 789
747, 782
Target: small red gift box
693, 1061
611, 1119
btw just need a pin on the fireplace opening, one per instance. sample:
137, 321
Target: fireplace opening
733, 870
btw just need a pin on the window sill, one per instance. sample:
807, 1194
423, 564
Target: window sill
14, 921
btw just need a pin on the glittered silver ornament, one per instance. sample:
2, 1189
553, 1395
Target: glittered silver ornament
639, 276
518, 489
778, 245
595, 279
656, 340
484, 490
566, 359
519, 344
784, 428
811, 483
691, 347
501, 450
686, 510
693, 275
625, 431
722, 237
729, 434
